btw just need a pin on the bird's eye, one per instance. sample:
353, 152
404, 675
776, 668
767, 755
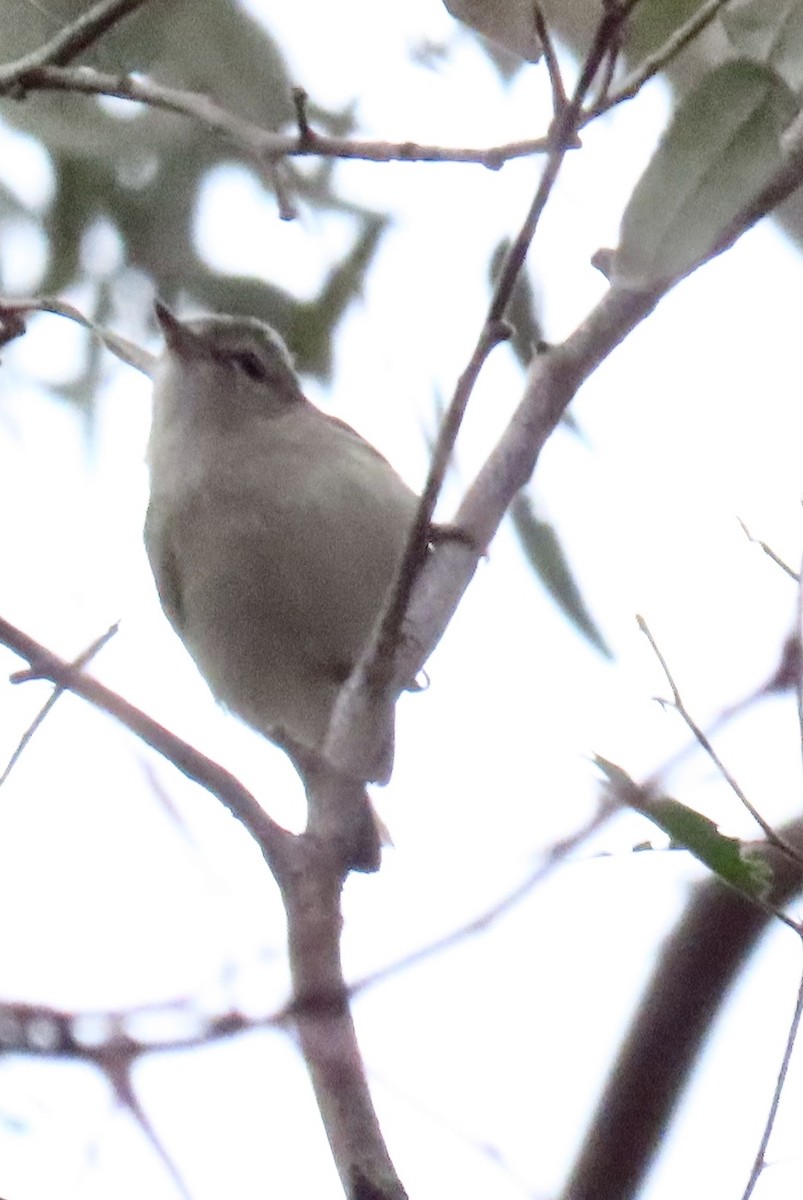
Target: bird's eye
251, 364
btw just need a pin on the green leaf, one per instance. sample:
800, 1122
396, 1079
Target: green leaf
769, 32
522, 310
725, 856
653, 22
729, 858
547, 559
720, 149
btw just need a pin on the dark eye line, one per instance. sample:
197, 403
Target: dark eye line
250, 363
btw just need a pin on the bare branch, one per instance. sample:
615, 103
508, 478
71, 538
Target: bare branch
251, 139
768, 550
352, 728
759, 1163
554, 379
71, 41
80, 661
269, 836
554, 857
310, 874
656, 62
688, 985
704, 742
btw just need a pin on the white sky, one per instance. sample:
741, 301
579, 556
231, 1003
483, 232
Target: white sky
503, 1041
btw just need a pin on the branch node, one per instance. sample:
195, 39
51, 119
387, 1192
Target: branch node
306, 137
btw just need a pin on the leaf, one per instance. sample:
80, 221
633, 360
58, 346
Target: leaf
769, 32
522, 310
546, 557
121, 347
653, 22
720, 149
728, 857
523, 314
144, 173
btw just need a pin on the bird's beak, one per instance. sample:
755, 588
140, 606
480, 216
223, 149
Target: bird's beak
178, 336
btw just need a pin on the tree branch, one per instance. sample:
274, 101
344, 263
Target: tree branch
251, 139
382, 672
678, 1007
310, 873
554, 379
71, 41
272, 840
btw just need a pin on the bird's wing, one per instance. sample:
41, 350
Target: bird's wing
165, 567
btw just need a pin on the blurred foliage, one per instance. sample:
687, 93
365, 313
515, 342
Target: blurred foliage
142, 174
539, 540
523, 315
769, 32
548, 561
739, 864
522, 311
722, 146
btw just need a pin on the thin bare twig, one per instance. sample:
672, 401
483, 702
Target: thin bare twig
300, 99
559, 97
656, 62
679, 706
71, 41
554, 379
768, 550
759, 1163
21, 676
557, 854
687, 988
799, 680
353, 722
118, 1071
251, 139
269, 836
309, 873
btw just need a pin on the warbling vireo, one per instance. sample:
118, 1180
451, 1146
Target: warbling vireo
274, 533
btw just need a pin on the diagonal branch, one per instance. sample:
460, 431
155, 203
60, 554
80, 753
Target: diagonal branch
352, 732
73, 40
269, 836
310, 875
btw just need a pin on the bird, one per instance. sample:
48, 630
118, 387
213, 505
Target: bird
274, 533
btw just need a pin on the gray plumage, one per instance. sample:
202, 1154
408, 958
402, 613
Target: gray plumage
274, 531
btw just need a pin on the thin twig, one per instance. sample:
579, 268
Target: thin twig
351, 725
799, 680
679, 706
656, 62
117, 1070
688, 985
768, 550
759, 1163
68, 43
269, 836
254, 141
553, 381
309, 873
559, 98
300, 99
22, 676
557, 854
